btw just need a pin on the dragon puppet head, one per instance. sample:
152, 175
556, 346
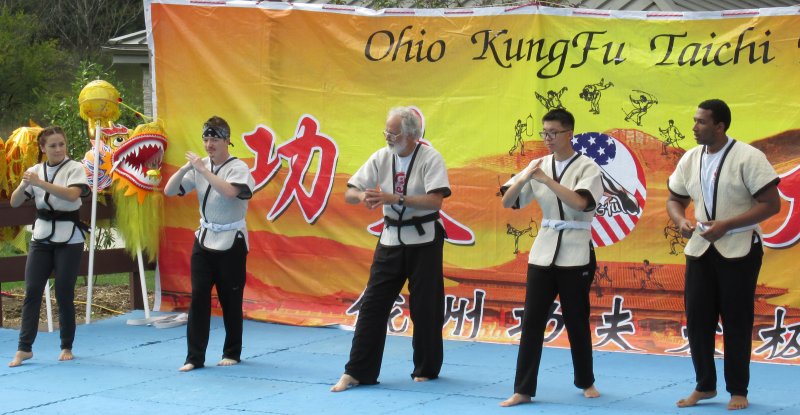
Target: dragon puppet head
136, 172
137, 160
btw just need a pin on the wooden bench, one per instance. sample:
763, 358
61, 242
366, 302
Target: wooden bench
106, 261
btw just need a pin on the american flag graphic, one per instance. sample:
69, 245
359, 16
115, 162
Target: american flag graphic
624, 187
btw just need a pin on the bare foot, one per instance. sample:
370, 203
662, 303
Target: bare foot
421, 379
344, 383
695, 397
185, 368
591, 392
20, 357
66, 354
738, 402
227, 362
516, 399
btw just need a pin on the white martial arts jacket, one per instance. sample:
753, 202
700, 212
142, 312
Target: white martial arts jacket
426, 174
222, 219
743, 173
69, 173
570, 246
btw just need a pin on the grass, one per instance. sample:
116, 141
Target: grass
107, 279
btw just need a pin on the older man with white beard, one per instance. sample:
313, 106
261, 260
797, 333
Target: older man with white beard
409, 180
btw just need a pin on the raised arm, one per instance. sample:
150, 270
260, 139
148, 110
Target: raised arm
29, 178
173, 186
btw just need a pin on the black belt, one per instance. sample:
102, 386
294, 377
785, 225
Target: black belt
64, 216
415, 221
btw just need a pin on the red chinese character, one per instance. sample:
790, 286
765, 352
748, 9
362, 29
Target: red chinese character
299, 153
789, 232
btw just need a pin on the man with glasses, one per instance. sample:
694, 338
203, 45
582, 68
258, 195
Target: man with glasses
408, 180
567, 186
733, 187
219, 255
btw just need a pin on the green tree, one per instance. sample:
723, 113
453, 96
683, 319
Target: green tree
83, 26
62, 108
28, 64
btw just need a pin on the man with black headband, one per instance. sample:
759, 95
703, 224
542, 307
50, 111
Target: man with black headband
408, 180
219, 255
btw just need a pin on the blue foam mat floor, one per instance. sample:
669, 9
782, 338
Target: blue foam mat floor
121, 369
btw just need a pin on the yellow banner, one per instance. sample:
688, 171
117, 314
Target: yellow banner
306, 89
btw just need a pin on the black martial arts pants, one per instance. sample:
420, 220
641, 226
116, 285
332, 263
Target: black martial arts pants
225, 270
64, 262
422, 266
572, 285
720, 287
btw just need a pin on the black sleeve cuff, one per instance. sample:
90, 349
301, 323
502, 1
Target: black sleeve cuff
244, 191
768, 185
592, 205
678, 195
503, 190
445, 191
85, 189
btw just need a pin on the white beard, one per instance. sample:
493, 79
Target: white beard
396, 149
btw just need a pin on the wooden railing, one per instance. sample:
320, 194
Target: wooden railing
106, 261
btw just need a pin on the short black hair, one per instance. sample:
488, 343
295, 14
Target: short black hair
720, 112
561, 115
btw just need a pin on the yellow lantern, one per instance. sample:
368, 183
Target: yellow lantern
99, 101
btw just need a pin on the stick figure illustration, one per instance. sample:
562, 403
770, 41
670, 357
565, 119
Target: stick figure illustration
646, 276
641, 104
600, 276
532, 230
520, 129
553, 99
672, 136
592, 92
676, 240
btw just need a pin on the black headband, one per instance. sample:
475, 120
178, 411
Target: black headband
209, 131
218, 132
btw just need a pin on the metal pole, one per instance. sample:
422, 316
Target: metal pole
90, 273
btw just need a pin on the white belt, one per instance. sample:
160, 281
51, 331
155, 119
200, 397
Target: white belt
703, 228
565, 224
217, 227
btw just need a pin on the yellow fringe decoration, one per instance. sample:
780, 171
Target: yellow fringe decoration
22, 152
17, 154
21, 239
5, 191
139, 223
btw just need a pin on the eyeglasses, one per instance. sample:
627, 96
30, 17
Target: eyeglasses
391, 136
551, 134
